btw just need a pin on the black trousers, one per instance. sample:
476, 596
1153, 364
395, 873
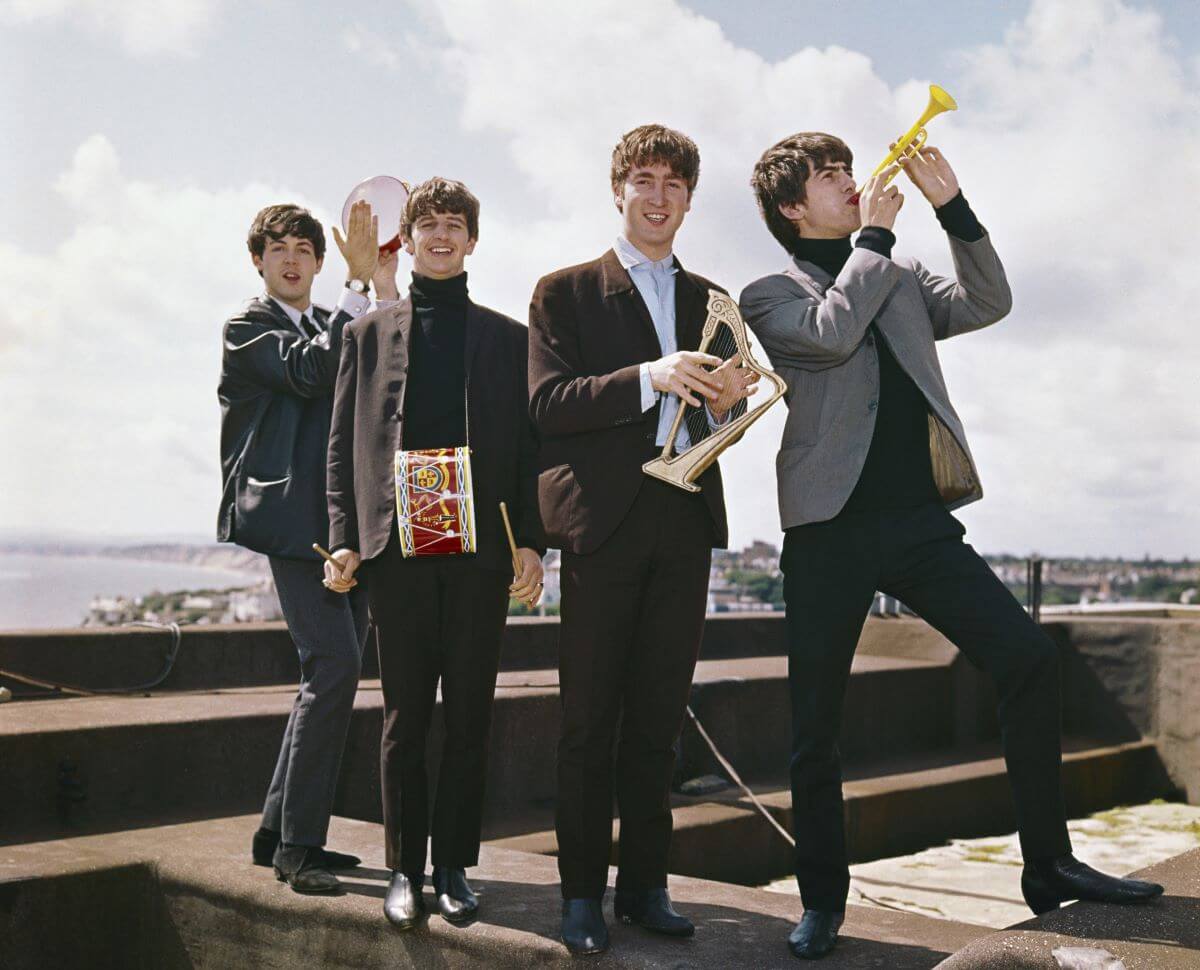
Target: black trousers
632, 618
437, 618
831, 572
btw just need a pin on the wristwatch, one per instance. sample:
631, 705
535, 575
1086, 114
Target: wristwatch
358, 286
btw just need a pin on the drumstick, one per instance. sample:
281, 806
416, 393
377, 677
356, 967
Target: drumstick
512, 542
329, 557
326, 555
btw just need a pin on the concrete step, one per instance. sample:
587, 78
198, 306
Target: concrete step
95, 764
1161, 935
891, 808
257, 654
185, 897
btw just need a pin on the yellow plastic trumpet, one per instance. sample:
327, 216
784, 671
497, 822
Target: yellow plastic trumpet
913, 140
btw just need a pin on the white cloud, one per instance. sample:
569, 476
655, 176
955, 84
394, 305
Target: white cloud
144, 27
1077, 141
111, 351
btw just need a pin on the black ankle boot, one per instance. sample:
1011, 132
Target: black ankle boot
583, 929
652, 910
303, 868
404, 904
816, 933
1047, 883
457, 902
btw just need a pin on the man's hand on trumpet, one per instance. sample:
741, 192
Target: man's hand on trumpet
929, 171
879, 203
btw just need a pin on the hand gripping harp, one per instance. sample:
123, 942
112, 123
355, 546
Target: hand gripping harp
913, 140
682, 470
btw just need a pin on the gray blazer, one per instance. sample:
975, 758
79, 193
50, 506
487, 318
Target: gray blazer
814, 329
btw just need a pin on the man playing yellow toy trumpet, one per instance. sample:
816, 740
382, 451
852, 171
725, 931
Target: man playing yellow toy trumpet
873, 458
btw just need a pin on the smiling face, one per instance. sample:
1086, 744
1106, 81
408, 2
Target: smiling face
439, 242
653, 200
827, 211
287, 266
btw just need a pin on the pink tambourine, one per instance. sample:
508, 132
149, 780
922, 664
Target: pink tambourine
386, 196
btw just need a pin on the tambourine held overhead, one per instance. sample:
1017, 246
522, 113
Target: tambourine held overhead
387, 196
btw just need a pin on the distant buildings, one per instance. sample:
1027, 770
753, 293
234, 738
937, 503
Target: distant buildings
745, 580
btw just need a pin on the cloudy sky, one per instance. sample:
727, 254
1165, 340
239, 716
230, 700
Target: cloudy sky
140, 138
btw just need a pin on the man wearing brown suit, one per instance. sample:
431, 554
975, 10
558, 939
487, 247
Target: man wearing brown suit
612, 350
434, 370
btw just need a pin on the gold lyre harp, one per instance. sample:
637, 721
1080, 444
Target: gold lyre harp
682, 470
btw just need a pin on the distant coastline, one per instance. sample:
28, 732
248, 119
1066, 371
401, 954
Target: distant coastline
53, 584
219, 556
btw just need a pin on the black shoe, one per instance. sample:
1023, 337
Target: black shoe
583, 929
456, 900
1047, 884
262, 849
651, 909
404, 904
266, 841
302, 867
815, 934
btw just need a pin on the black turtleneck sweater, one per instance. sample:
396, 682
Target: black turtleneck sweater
897, 473
435, 401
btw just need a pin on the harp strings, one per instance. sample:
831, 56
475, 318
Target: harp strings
724, 345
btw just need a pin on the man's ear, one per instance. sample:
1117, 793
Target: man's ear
471, 246
407, 243
792, 211
258, 263
320, 263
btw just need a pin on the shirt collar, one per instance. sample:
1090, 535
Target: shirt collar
630, 256
293, 314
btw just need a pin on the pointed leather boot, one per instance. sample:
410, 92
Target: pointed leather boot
1046, 885
583, 929
404, 904
303, 868
815, 934
456, 900
651, 909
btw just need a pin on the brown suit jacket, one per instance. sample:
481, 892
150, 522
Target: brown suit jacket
368, 426
589, 332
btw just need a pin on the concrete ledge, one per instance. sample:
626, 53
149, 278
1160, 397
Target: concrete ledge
196, 903
1161, 935
256, 654
96, 764
891, 809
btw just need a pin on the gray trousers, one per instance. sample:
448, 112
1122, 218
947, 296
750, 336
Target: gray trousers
329, 630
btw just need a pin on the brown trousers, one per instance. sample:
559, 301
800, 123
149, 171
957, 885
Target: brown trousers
632, 618
438, 618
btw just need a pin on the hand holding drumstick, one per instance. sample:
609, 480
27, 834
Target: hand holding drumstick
527, 567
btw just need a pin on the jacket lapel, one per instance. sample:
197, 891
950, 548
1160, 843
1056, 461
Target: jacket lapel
691, 309
810, 276
473, 335
617, 287
401, 336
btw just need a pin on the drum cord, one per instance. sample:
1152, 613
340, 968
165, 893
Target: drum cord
73, 690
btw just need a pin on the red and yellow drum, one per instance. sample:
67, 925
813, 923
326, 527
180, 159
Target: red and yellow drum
435, 507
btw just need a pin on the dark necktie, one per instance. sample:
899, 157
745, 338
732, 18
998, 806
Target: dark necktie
696, 420
309, 327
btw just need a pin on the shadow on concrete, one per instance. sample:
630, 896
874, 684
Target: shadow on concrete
726, 936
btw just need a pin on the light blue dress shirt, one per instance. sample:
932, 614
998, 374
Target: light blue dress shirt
655, 281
